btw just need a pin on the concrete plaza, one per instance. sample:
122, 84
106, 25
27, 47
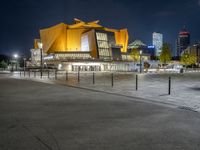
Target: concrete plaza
35, 115
185, 88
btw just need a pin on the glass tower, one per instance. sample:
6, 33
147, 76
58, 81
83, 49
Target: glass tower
157, 42
183, 41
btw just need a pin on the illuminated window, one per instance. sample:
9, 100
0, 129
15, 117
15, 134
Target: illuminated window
84, 43
102, 36
103, 46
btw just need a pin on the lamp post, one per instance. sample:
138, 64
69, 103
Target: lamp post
140, 61
15, 57
24, 65
198, 54
40, 45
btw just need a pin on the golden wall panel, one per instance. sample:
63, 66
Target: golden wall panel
63, 37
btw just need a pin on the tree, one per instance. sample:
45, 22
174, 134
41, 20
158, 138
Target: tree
135, 55
3, 64
188, 59
165, 55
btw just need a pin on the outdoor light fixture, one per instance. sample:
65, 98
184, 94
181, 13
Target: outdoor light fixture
40, 46
59, 66
24, 65
140, 61
15, 56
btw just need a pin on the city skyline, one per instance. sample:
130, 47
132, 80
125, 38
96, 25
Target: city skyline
21, 20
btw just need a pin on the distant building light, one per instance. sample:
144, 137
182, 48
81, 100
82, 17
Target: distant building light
48, 57
151, 46
59, 66
40, 45
86, 64
184, 33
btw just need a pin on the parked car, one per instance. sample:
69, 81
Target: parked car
175, 68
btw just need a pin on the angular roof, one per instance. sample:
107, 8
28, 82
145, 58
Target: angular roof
136, 44
66, 37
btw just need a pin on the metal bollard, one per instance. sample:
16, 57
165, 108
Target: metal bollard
93, 77
35, 74
66, 76
56, 74
41, 73
48, 74
24, 73
169, 89
78, 76
29, 73
112, 80
136, 83
20, 73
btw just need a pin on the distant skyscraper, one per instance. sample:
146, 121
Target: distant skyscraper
182, 42
157, 42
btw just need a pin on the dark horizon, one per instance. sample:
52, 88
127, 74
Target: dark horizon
22, 20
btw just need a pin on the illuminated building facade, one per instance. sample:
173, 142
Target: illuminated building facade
182, 42
148, 50
157, 42
193, 50
86, 46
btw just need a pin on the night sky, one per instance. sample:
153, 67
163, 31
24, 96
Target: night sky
22, 19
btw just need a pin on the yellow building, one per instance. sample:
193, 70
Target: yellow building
81, 41
66, 38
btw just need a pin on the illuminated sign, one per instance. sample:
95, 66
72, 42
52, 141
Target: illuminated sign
151, 46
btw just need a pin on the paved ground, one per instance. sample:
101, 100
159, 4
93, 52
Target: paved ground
36, 116
185, 90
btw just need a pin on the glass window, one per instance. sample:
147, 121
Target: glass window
103, 46
102, 36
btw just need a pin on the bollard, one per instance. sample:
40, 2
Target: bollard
169, 90
136, 82
48, 74
41, 73
112, 80
29, 74
56, 74
78, 76
66, 76
20, 73
93, 77
35, 74
24, 73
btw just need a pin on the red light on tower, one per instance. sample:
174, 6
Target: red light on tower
184, 33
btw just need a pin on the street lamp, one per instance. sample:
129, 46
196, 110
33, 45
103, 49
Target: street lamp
24, 65
40, 45
140, 61
15, 57
197, 53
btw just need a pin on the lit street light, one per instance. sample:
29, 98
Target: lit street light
24, 65
40, 46
15, 56
140, 61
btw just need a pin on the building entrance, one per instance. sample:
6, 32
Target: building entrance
85, 68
